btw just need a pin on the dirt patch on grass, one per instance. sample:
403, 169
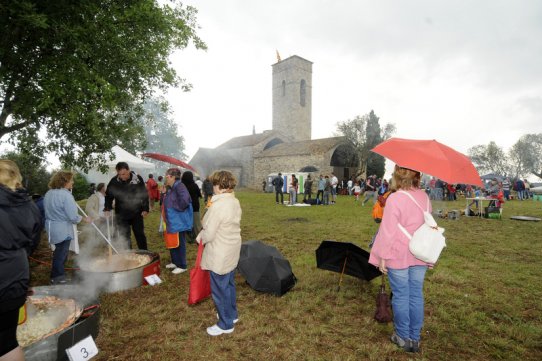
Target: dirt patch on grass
297, 219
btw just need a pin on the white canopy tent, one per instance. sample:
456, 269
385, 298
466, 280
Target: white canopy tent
136, 164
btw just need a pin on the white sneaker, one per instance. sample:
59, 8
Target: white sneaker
214, 330
178, 270
234, 321
171, 265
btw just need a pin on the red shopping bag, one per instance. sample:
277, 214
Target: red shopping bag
200, 281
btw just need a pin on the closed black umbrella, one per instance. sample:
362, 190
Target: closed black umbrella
265, 269
345, 258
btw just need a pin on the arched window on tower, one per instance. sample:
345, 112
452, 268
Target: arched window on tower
302, 92
283, 88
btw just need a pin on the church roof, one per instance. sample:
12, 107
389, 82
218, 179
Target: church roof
215, 157
243, 141
305, 147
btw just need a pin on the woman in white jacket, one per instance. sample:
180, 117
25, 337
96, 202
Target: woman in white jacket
221, 235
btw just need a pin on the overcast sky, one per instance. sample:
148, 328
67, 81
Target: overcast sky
464, 72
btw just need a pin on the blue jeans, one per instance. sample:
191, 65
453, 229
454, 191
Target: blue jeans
60, 254
224, 295
178, 255
293, 196
407, 301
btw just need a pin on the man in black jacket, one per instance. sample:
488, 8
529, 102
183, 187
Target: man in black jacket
128, 191
278, 182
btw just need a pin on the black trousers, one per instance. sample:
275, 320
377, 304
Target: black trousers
277, 196
320, 195
126, 225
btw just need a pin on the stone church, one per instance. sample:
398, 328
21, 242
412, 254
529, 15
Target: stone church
287, 147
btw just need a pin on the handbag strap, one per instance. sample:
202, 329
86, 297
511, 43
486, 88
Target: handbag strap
413, 200
200, 253
403, 229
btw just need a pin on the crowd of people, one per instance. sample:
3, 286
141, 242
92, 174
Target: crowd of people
327, 188
442, 191
177, 196
131, 199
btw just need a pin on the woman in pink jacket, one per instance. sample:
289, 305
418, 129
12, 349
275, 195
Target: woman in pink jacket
391, 255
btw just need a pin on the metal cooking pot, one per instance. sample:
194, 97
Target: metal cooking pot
120, 280
48, 349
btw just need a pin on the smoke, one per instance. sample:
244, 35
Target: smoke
94, 248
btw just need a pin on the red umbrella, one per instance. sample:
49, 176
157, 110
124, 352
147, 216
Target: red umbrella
430, 157
168, 159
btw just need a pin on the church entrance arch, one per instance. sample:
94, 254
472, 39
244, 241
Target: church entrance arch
344, 161
309, 169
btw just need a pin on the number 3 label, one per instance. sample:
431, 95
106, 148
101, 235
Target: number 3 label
83, 350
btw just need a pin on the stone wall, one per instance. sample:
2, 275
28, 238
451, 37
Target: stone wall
266, 165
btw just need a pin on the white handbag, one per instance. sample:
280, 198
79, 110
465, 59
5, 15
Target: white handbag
428, 240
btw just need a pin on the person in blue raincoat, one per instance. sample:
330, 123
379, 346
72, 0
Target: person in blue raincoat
177, 213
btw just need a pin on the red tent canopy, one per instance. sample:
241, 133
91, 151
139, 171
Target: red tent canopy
169, 159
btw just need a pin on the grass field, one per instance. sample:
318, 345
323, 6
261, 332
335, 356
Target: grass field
483, 299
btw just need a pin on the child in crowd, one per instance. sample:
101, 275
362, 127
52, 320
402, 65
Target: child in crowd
357, 190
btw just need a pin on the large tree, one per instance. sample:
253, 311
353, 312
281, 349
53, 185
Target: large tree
363, 133
526, 155
490, 159
161, 131
74, 74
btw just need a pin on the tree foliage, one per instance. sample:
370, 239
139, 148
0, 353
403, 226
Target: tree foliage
526, 155
363, 133
490, 159
32, 168
161, 131
77, 72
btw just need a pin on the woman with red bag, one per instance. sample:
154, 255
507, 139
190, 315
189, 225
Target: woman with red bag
221, 235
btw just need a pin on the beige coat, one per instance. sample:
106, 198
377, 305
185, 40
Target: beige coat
92, 209
221, 234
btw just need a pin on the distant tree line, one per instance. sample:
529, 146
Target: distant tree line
521, 160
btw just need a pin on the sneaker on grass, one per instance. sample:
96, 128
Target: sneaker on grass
214, 330
171, 265
178, 270
414, 346
404, 344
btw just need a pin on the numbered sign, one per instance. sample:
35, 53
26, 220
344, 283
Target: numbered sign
153, 279
83, 350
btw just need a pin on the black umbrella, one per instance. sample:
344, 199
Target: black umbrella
345, 258
265, 269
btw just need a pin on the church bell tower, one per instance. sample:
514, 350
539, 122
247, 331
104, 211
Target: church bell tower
292, 97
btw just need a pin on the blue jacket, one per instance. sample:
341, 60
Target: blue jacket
178, 208
60, 215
